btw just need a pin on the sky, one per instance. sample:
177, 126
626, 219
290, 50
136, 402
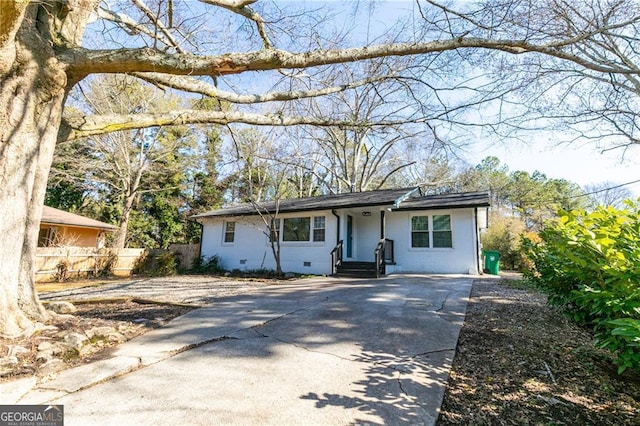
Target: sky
583, 165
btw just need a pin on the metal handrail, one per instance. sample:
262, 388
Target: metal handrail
379, 256
336, 257
383, 255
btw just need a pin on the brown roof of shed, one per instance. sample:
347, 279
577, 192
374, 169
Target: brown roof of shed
52, 216
413, 201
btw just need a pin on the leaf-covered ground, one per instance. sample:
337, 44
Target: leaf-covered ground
521, 362
128, 318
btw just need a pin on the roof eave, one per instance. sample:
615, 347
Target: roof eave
293, 210
105, 228
442, 207
478, 199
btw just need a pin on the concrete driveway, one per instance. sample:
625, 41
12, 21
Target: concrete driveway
319, 351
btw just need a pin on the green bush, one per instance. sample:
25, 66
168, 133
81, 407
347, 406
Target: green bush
589, 263
157, 263
207, 265
503, 235
167, 264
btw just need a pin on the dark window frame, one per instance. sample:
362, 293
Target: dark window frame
296, 229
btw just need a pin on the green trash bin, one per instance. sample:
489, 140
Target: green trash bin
492, 261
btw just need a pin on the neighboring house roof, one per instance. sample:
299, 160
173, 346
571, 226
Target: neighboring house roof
51, 216
401, 199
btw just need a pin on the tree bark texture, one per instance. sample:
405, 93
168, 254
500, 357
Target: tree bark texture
121, 239
33, 88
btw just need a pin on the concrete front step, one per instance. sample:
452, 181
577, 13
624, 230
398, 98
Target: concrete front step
357, 269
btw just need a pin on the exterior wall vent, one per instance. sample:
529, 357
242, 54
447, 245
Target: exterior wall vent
307, 264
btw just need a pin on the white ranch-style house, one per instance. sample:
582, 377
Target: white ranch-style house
374, 232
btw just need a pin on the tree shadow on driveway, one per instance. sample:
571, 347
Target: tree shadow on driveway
396, 337
319, 352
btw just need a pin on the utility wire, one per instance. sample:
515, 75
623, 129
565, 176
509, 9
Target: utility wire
560, 199
605, 189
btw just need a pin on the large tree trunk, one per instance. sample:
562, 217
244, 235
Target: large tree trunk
123, 227
32, 92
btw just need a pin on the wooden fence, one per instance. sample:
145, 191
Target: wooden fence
186, 253
54, 263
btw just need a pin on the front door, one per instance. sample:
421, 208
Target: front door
349, 236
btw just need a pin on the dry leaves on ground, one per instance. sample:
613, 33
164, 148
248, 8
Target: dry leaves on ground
520, 361
89, 334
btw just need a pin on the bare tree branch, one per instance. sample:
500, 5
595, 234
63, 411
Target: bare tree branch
241, 7
78, 127
194, 85
82, 62
127, 23
156, 21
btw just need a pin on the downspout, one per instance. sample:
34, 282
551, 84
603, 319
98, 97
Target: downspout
477, 245
333, 211
201, 235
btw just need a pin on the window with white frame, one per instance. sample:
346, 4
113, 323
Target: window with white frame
431, 231
442, 231
318, 228
420, 231
303, 229
229, 232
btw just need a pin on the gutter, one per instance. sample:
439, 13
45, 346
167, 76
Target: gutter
109, 228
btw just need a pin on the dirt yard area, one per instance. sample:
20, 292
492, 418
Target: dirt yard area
521, 362
105, 314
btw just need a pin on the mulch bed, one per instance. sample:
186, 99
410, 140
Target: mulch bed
521, 362
148, 313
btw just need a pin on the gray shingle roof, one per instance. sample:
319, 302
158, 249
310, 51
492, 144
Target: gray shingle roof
358, 199
448, 201
51, 216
